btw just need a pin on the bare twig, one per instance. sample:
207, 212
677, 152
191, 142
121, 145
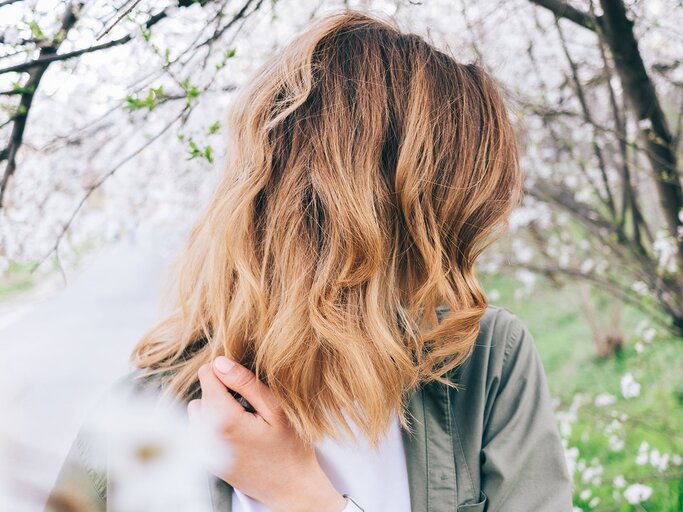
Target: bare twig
123, 15
242, 13
679, 125
589, 119
97, 184
629, 201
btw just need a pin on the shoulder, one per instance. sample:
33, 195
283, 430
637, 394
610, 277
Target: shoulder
504, 423
504, 345
502, 335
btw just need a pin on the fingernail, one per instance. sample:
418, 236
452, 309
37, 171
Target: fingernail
223, 364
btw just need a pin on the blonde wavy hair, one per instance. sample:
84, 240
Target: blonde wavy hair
367, 171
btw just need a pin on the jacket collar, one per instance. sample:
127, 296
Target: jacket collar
428, 449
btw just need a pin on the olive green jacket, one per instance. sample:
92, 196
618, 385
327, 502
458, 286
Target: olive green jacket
491, 445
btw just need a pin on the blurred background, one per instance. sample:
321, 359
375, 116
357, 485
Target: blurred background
112, 138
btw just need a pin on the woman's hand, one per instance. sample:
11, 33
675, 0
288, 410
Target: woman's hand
269, 462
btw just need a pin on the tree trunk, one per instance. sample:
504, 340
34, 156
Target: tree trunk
617, 30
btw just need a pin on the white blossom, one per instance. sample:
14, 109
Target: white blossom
637, 493
640, 287
649, 334
659, 460
644, 124
604, 399
493, 295
571, 455
642, 457
587, 265
665, 248
615, 443
613, 426
590, 473
155, 460
629, 387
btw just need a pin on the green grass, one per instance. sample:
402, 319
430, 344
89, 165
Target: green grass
19, 277
575, 376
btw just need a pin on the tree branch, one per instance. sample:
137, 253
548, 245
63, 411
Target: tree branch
562, 9
69, 19
587, 116
43, 60
47, 59
629, 200
608, 284
37, 68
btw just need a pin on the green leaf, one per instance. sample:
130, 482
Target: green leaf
146, 33
208, 154
149, 101
191, 91
20, 89
195, 151
229, 54
36, 30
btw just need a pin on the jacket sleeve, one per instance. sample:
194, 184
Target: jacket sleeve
523, 462
79, 486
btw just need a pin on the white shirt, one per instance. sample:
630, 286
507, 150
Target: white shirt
376, 480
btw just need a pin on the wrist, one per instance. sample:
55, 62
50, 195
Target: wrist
311, 495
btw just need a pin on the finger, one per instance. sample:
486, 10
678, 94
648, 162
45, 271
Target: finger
194, 409
194, 413
216, 401
241, 379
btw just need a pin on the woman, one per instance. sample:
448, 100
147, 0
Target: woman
328, 324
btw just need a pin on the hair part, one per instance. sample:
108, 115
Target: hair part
367, 171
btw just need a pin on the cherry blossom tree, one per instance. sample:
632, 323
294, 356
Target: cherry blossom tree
113, 113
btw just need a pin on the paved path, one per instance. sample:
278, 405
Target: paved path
60, 354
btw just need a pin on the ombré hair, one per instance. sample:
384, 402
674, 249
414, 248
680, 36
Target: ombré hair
367, 171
